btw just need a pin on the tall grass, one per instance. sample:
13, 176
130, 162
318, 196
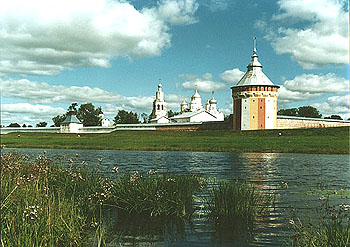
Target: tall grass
331, 230
237, 201
45, 204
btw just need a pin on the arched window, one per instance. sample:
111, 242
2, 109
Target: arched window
158, 107
162, 107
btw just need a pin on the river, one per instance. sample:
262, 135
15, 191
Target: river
303, 173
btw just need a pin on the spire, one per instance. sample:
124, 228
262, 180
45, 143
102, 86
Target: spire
213, 100
254, 51
254, 74
160, 83
254, 63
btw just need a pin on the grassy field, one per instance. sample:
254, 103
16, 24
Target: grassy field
320, 140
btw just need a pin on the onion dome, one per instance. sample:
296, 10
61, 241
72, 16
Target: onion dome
196, 95
213, 100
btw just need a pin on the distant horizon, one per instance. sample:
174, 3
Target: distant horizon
112, 54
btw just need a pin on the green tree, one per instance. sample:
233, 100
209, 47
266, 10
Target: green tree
86, 113
334, 117
288, 112
14, 125
73, 108
145, 118
124, 117
171, 113
41, 124
89, 115
308, 111
59, 119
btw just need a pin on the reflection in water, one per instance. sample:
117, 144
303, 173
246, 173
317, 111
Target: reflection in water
301, 172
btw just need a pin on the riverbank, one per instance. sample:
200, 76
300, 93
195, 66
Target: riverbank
319, 140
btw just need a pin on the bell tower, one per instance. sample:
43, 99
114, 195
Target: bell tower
159, 104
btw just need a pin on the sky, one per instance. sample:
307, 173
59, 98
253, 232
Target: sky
114, 53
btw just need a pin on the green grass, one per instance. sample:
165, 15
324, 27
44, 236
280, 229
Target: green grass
319, 140
332, 229
237, 202
45, 204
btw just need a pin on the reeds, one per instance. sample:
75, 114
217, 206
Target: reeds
237, 201
331, 230
48, 204
45, 204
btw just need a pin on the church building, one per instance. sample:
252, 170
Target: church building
254, 99
195, 112
159, 113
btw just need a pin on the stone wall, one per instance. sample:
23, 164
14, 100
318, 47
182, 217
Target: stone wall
7, 130
286, 122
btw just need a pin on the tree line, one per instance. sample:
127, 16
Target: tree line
88, 114
305, 111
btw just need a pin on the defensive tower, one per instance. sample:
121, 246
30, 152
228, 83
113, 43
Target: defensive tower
254, 99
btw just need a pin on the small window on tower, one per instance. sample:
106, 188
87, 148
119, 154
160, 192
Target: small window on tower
162, 107
158, 107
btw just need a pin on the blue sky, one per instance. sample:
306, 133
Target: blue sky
113, 53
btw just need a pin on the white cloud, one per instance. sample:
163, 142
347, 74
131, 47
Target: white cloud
335, 105
27, 113
205, 84
32, 109
45, 37
232, 76
312, 83
322, 40
217, 5
178, 12
43, 93
308, 86
285, 95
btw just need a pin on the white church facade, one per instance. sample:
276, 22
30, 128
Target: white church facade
189, 113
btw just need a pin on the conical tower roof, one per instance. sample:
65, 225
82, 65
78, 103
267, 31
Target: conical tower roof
71, 118
254, 75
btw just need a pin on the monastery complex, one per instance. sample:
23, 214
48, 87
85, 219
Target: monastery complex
189, 113
254, 107
254, 103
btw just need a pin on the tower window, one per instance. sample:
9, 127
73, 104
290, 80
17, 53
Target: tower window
162, 107
253, 117
158, 107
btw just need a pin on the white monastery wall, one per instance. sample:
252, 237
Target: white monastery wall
294, 123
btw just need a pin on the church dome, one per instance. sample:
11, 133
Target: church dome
196, 95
